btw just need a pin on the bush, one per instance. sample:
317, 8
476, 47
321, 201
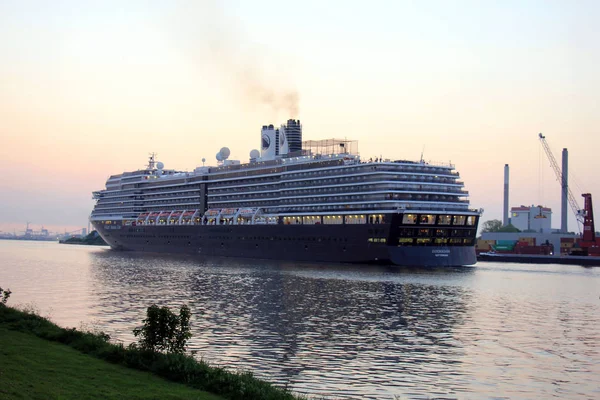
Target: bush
4, 295
163, 330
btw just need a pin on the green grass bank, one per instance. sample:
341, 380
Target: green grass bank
42, 360
34, 368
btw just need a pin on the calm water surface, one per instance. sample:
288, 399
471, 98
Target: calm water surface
490, 331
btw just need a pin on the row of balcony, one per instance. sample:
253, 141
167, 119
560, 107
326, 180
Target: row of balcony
350, 180
337, 190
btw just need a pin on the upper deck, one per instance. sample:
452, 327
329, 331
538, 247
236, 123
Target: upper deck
299, 183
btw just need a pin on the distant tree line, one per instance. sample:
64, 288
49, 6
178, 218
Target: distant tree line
495, 225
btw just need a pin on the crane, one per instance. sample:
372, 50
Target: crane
563, 180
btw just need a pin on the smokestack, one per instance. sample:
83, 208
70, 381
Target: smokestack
505, 218
565, 191
293, 131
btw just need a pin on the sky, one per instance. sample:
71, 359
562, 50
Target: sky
89, 89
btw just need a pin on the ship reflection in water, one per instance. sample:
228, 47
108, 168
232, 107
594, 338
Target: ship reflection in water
346, 330
496, 330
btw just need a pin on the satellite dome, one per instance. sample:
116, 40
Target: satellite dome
225, 153
254, 154
160, 165
203, 159
219, 156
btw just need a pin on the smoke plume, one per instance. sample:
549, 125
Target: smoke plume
257, 89
254, 74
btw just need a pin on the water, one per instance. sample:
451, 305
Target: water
490, 331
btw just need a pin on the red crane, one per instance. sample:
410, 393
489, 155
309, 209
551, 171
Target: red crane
589, 243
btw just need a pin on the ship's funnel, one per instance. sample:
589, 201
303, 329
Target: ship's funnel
268, 143
293, 133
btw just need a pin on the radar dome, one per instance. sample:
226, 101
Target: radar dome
219, 156
160, 165
203, 159
225, 153
254, 154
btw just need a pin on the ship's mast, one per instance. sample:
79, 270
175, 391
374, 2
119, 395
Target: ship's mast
151, 161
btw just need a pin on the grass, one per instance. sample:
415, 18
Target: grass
179, 368
33, 368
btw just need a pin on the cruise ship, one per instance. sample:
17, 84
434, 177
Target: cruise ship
294, 200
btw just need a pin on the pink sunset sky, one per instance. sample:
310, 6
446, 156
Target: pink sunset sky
88, 89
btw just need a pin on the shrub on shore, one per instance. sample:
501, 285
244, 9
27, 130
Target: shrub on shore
174, 366
4, 295
163, 330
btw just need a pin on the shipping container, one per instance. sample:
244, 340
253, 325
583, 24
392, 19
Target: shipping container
506, 242
528, 240
485, 244
504, 247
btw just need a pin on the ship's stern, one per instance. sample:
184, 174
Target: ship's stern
433, 256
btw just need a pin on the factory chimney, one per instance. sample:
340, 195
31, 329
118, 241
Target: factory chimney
505, 215
565, 191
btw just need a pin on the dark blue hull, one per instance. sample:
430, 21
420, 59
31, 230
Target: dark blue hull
309, 243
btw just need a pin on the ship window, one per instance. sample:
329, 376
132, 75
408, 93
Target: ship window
427, 219
405, 241
471, 220
459, 220
333, 220
311, 220
444, 220
292, 220
423, 232
441, 232
441, 240
406, 232
376, 219
355, 219
423, 240
409, 219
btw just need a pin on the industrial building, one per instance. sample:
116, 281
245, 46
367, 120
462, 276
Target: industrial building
531, 218
539, 218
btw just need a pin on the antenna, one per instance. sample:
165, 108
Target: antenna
151, 161
422, 151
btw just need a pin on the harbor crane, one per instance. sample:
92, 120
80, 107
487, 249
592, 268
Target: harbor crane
579, 214
589, 243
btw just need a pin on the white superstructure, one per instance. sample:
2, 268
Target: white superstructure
323, 183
